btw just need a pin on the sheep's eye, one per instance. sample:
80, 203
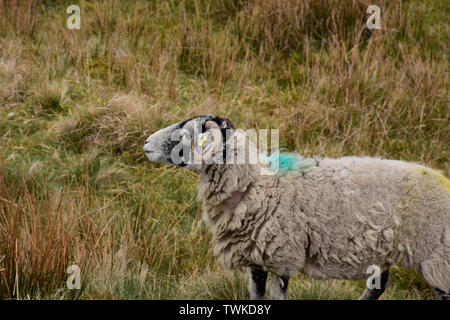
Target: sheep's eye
185, 138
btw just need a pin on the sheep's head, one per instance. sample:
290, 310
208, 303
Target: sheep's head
192, 143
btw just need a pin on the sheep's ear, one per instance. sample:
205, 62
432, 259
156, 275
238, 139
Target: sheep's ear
209, 145
223, 123
226, 126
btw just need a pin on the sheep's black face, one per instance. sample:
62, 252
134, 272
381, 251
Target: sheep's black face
191, 143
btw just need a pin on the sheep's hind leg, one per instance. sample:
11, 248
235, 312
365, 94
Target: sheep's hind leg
278, 287
436, 272
374, 294
257, 284
441, 294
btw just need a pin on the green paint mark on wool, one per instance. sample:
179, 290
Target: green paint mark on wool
288, 162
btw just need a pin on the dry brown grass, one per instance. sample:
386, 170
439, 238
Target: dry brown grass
35, 239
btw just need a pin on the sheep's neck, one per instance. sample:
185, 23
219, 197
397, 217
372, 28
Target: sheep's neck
231, 203
222, 187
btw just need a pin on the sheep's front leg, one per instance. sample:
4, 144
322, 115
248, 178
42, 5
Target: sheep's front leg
257, 284
278, 287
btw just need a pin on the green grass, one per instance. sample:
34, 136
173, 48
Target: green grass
77, 105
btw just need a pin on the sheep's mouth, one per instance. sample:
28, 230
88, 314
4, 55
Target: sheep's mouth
155, 156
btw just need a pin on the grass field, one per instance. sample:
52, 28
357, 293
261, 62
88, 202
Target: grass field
77, 105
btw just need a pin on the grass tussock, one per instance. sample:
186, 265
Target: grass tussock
77, 105
119, 123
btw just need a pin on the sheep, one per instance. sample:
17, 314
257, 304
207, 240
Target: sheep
327, 218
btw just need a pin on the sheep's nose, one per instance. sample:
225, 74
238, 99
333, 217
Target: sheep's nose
147, 146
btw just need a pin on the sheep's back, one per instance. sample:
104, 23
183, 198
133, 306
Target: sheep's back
363, 211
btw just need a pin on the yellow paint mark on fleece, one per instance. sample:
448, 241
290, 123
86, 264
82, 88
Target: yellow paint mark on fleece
443, 181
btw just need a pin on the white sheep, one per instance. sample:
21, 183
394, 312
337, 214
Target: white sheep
333, 218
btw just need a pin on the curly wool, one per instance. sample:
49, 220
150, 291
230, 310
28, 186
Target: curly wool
333, 219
